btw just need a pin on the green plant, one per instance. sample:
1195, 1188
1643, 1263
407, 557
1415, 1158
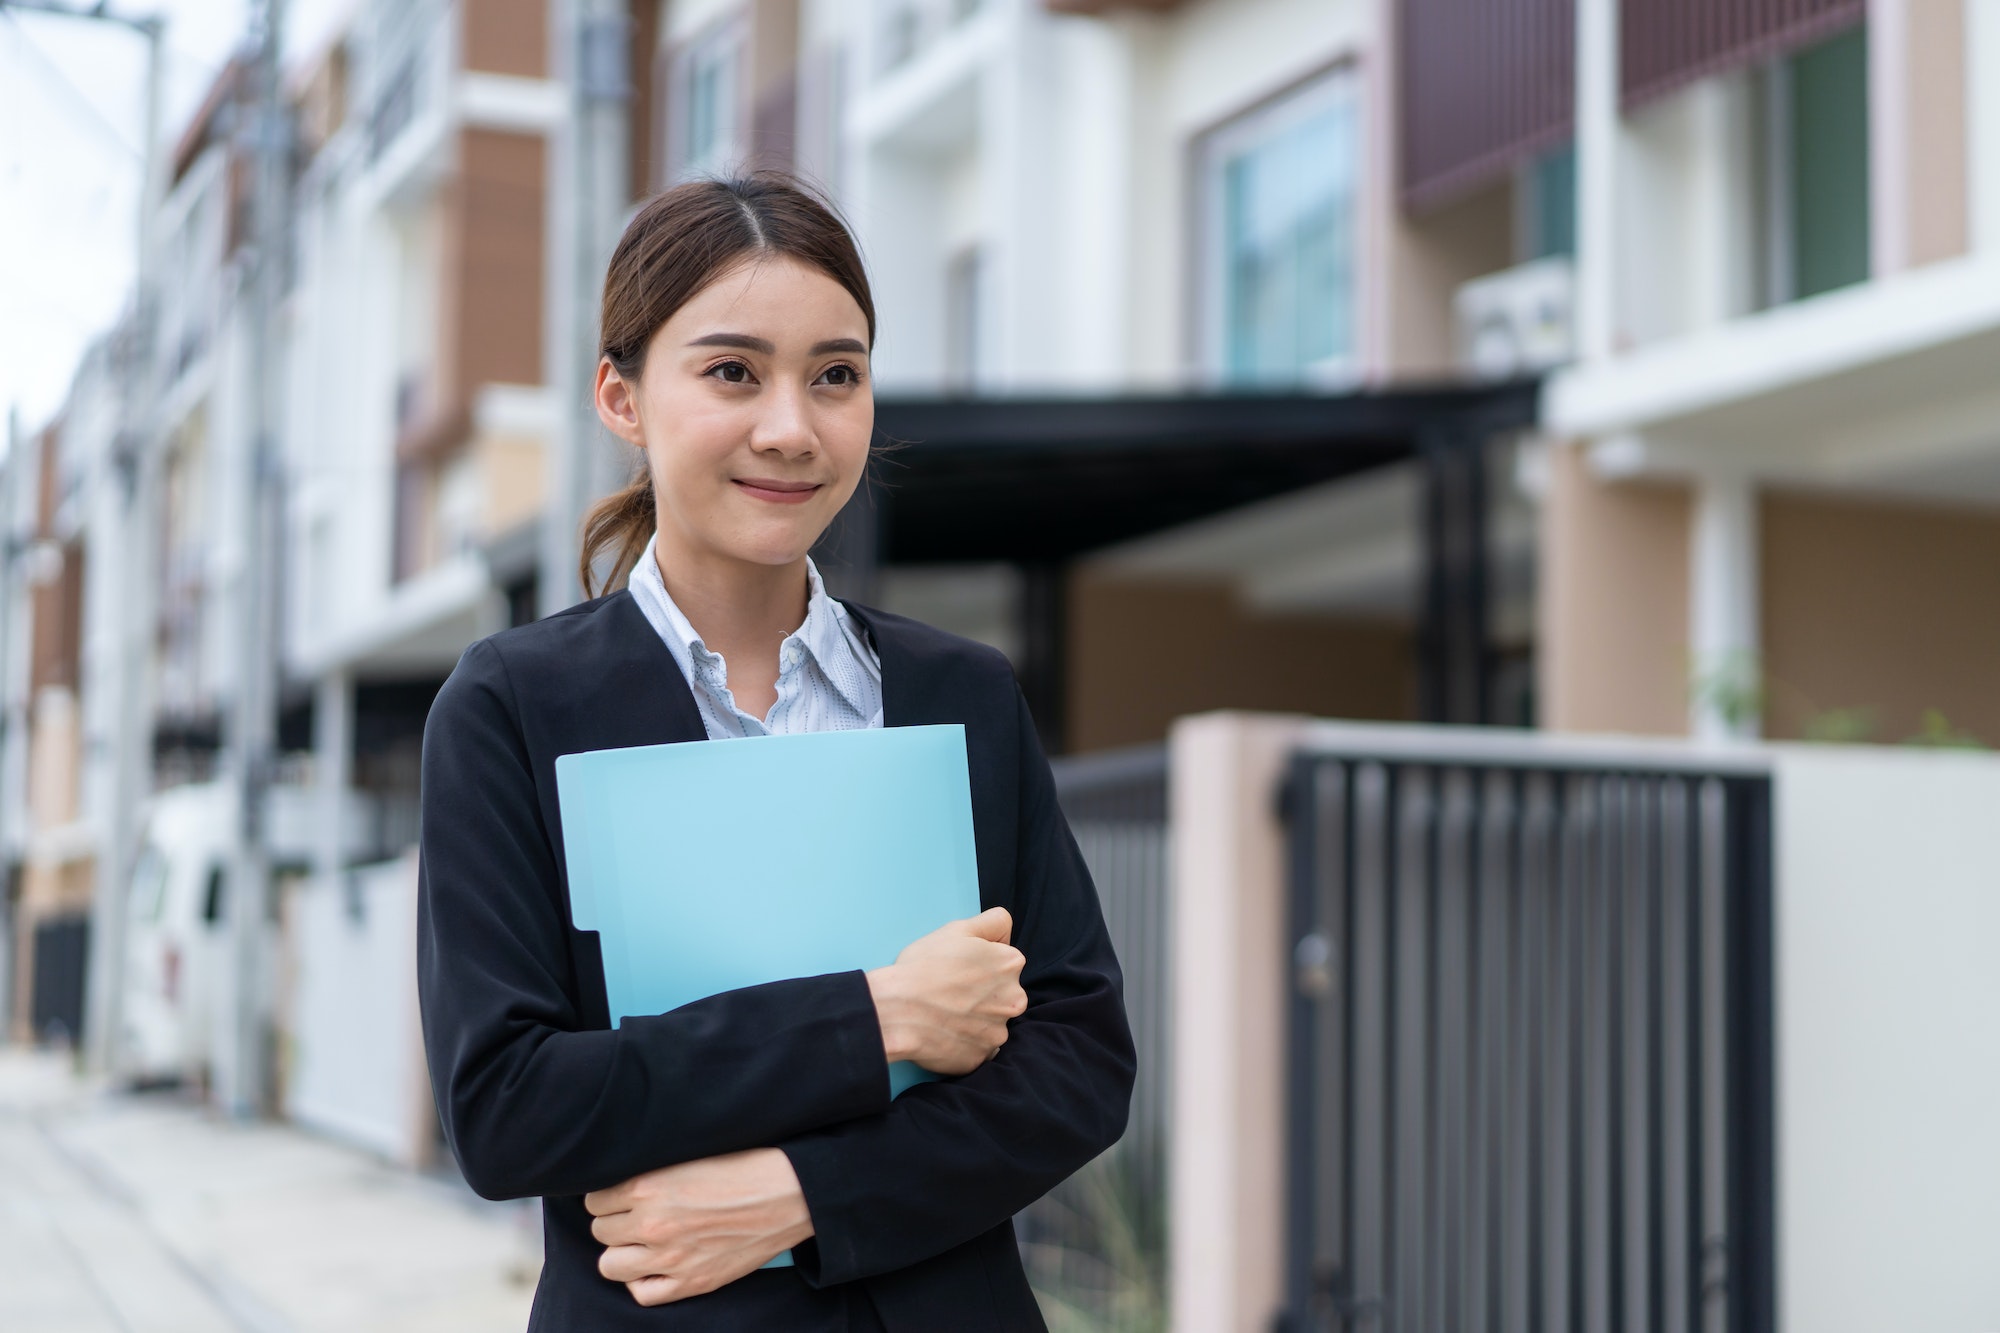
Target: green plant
1732, 687
1095, 1247
1841, 726
1936, 732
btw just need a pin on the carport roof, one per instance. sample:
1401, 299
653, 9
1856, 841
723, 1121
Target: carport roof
1039, 479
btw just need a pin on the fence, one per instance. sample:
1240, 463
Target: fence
1530, 1036
61, 954
1095, 1248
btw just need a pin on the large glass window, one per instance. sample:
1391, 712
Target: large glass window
1279, 187
1829, 164
709, 101
1815, 169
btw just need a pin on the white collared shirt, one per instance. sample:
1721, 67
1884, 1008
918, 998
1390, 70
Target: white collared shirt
829, 678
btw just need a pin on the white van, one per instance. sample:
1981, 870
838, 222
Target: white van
176, 942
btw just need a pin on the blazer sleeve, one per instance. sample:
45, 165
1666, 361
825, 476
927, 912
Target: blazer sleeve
950, 1160
531, 1103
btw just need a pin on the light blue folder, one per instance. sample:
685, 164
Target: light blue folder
707, 866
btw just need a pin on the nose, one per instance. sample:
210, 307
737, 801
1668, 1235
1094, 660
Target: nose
785, 425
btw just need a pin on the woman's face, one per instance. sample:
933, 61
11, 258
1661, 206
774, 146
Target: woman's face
755, 411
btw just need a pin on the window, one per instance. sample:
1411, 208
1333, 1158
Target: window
709, 104
1278, 189
1546, 195
1815, 108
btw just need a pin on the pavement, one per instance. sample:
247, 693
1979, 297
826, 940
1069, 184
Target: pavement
149, 1213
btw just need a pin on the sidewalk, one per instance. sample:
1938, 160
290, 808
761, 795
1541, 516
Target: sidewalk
146, 1214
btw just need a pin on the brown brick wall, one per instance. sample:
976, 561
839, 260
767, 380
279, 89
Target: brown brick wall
1144, 652
507, 37
1881, 607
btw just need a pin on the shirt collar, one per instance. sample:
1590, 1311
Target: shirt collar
824, 634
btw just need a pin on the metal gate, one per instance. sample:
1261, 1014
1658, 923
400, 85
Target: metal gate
1530, 1047
61, 957
1096, 1246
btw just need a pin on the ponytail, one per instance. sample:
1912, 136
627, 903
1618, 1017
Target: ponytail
617, 525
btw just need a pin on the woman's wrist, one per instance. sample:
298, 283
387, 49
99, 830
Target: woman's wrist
899, 1040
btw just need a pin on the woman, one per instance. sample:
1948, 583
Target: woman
678, 1153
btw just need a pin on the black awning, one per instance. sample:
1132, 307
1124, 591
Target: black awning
1040, 479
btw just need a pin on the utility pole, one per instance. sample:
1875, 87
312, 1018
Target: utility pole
590, 189
245, 1069
10, 481
135, 456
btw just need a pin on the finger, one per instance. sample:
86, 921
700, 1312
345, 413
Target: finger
995, 923
628, 1263
615, 1229
657, 1290
602, 1203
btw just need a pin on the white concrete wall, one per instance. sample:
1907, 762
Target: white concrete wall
1888, 1004
357, 1064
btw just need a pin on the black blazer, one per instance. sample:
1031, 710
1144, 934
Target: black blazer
912, 1200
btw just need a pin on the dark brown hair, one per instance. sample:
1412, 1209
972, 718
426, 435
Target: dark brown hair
677, 244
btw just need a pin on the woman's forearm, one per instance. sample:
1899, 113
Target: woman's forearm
547, 1112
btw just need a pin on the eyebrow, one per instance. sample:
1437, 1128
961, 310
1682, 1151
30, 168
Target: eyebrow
765, 346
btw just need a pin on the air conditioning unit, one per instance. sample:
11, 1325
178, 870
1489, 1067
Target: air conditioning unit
1517, 322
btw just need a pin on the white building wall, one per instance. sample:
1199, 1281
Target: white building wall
1888, 1003
1081, 130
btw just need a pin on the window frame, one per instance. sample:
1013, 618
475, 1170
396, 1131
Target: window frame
727, 41
1329, 86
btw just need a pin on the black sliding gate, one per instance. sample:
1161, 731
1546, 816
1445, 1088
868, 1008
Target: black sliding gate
1530, 1048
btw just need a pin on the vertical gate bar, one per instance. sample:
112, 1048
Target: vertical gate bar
1344, 954
1752, 1298
1716, 926
1298, 804
1421, 952
1534, 971
1481, 1118
1496, 1024
1393, 1286
1373, 1085
1634, 1122
1331, 1260
1655, 1053
1677, 1137
1617, 882
1447, 979
1696, 1060
1576, 953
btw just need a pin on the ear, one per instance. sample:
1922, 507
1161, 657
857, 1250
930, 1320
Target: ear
618, 405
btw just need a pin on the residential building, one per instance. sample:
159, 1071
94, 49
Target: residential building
1779, 452
1075, 202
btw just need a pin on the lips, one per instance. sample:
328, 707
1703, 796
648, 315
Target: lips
777, 492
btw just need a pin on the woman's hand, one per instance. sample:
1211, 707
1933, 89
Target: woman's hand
945, 1001
688, 1229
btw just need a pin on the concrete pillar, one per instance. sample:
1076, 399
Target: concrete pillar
1227, 1165
1597, 151
1982, 59
1723, 607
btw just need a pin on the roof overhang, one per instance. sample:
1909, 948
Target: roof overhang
1047, 479
1873, 377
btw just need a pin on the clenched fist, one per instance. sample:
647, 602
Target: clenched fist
944, 1003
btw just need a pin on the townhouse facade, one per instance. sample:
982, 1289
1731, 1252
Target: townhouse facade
1751, 256
1773, 462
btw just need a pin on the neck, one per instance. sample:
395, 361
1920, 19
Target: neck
740, 609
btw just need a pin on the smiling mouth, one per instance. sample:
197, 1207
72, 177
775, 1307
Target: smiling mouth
777, 492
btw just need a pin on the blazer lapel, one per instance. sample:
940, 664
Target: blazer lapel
649, 700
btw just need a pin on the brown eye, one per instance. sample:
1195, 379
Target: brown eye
840, 377
731, 372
